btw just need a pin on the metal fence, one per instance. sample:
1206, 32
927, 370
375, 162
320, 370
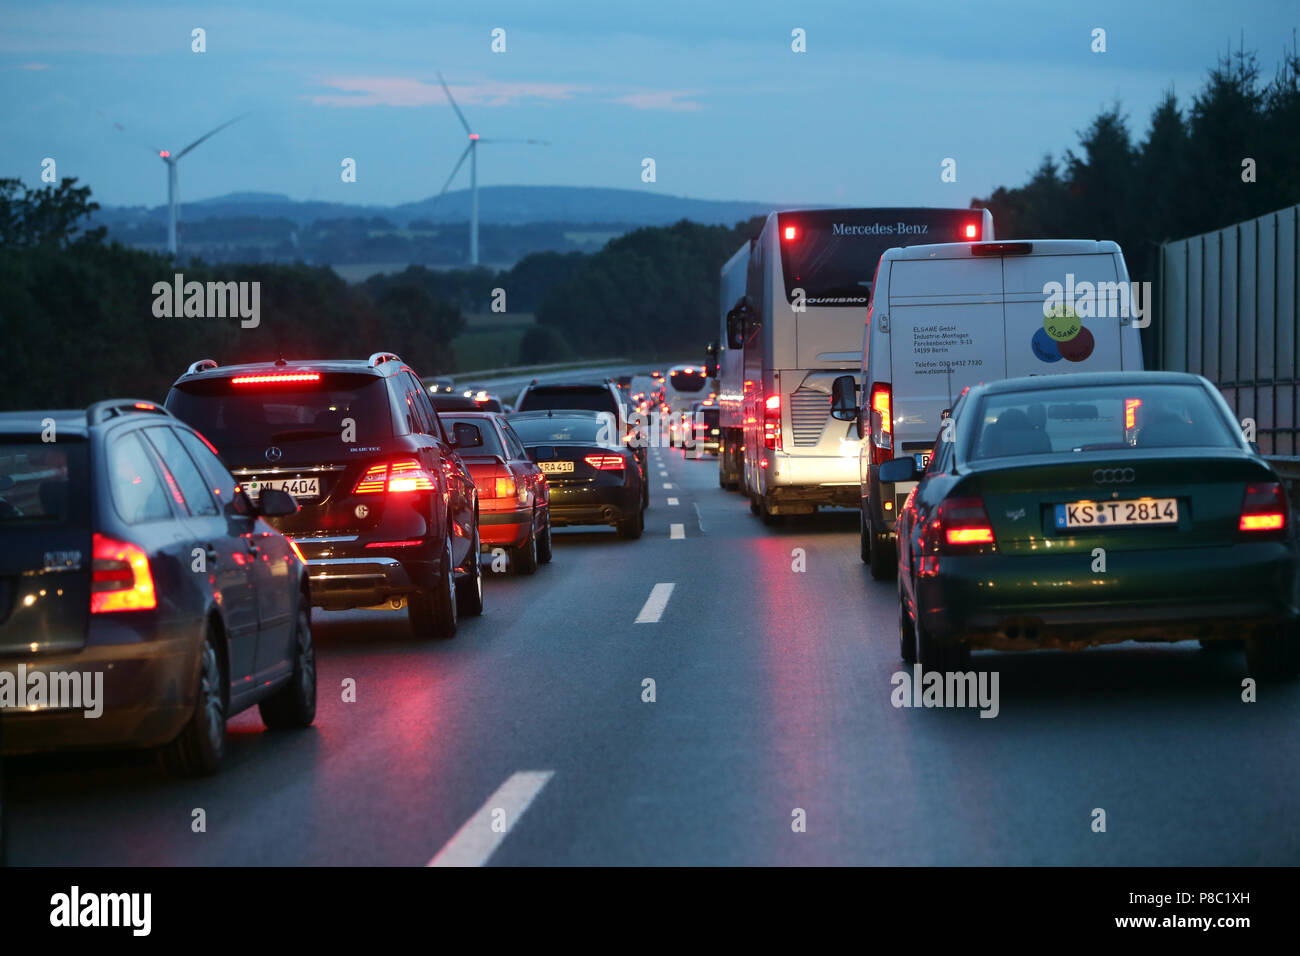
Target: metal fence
1228, 303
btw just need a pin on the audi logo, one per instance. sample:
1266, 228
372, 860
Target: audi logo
1112, 476
274, 454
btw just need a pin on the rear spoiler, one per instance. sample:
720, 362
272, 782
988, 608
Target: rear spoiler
113, 407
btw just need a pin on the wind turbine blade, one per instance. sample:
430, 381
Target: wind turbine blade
463, 121
460, 162
535, 142
209, 134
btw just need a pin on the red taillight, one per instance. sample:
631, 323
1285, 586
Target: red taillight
882, 422
959, 525
789, 233
605, 462
406, 474
276, 379
120, 579
497, 487
972, 231
408, 543
1263, 508
772, 423
1131, 405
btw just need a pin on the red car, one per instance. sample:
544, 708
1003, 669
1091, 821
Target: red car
514, 502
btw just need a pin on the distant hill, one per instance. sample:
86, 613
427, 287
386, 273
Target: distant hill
502, 205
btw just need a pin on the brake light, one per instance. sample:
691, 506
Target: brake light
403, 475
120, 579
772, 423
1131, 405
959, 525
276, 379
408, 543
882, 422
1002, 249
972, 231
498, 487
789, 233
1263, 508
605, 462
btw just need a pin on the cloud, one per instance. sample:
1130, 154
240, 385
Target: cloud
34, 67
659, 100
405, 91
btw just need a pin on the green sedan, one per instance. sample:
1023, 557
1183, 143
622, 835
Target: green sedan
1070, 511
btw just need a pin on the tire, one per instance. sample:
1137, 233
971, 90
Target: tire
469, 589
754, 509
630, 528
935, 656
432, 612
200, 747
884, 554
864, 539
906, 630
294, 704
1274, 657
544, 542
523, 559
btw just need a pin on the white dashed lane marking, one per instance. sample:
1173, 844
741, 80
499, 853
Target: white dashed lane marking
655, 604
476, 841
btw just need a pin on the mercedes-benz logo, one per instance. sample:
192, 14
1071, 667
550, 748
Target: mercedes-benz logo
1112, 476
274, 453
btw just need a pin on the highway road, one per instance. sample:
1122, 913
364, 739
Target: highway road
526, 738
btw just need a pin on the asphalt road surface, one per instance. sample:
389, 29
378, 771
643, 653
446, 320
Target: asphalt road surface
526, 739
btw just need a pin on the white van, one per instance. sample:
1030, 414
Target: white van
943, 317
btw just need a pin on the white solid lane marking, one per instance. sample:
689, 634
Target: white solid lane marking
672, 501
677, 531
476, 841
699, 518
655, 604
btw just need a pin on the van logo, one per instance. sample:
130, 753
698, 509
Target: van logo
62, 561
274, 453
1112, 476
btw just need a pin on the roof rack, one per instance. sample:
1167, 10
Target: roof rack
114, 407
202, 365
379, 358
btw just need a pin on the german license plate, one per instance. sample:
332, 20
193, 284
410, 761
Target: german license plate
1107, 514
922, 460
555, 467
298, 487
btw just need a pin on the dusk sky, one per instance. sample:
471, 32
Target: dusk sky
712, 92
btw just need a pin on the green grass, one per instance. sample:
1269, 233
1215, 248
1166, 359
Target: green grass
491, 348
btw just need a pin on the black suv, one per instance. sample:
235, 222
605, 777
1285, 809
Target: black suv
603, 396
134, 571
389, 514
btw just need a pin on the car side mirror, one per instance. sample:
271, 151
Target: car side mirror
844, 398
276, 503
465, 435
898, 469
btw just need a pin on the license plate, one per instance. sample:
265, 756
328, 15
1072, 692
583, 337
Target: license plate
298, 487
555, 467
1106, 514
922, 460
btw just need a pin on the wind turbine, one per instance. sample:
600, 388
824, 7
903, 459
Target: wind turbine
472, 152
173, 192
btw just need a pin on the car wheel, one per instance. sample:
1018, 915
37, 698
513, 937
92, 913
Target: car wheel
469, 589
631, 528
906, 630
935, 656
1274, 656
754, 509
884, 556
523, 559
432, 612
864, 539
200, 747
294, 704
544, 542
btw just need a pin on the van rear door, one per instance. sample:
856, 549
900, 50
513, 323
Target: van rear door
946, 331
1067, 342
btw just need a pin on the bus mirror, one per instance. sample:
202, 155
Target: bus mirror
735, 329
844, 398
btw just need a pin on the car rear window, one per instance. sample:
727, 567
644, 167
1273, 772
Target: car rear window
688, 380
593, 399
43, 483
491, 444
1099, 418
316, 417
600, 430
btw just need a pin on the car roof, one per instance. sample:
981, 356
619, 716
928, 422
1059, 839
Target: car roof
78, 422
557, 413
1084, 379
1041, 247
66, 421
570, 386
355, 366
